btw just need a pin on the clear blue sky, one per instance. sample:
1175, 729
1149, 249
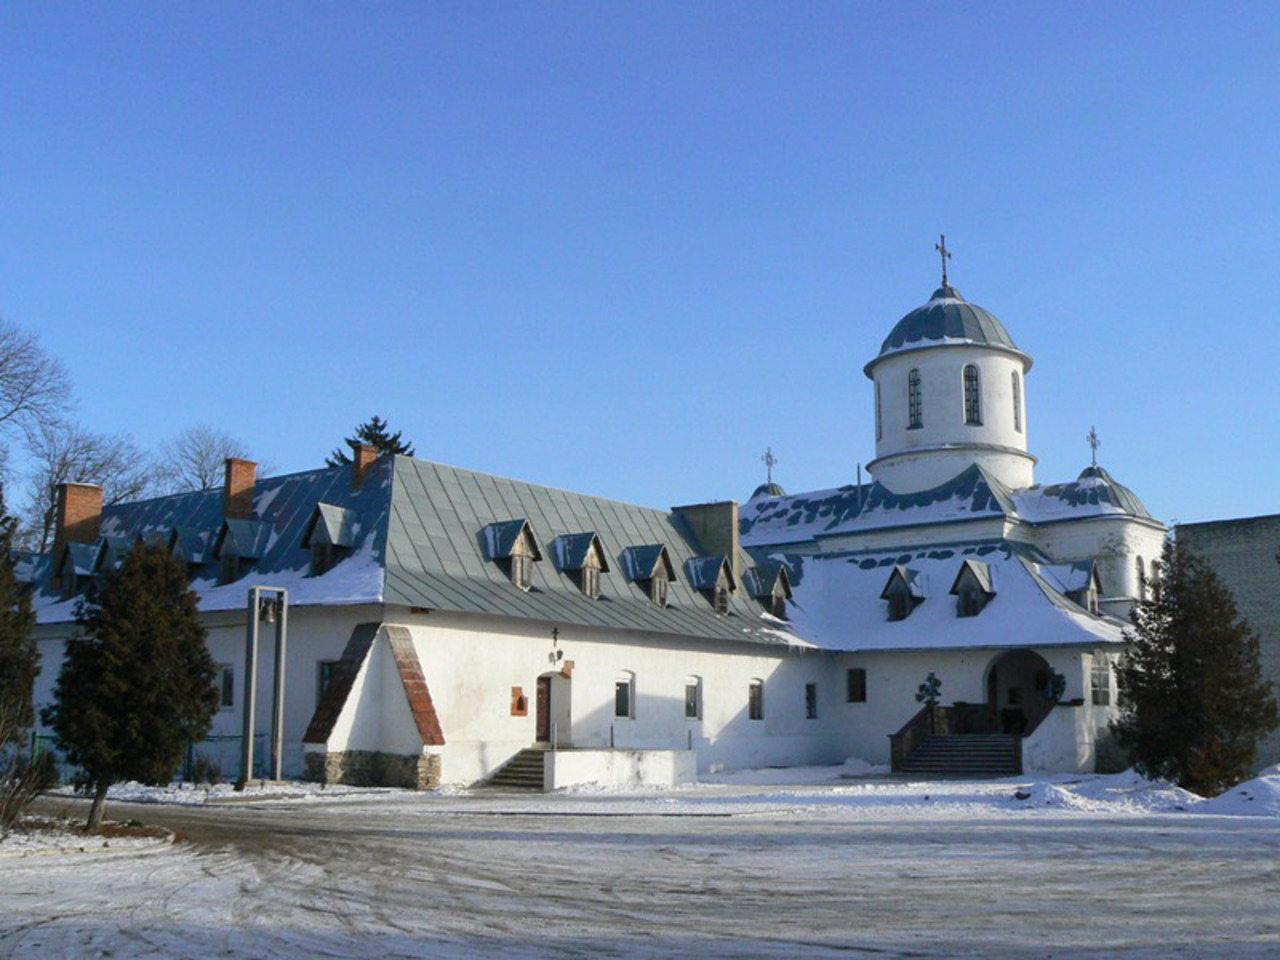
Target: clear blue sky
621, 248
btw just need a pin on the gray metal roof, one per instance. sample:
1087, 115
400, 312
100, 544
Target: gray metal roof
437, 556
947, 317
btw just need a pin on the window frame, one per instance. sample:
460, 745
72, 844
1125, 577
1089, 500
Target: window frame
660, 591
624, 696
811, 701
324, 676
1017, 401
226, 686
915, 408
972, 379
755, 699
693, 698
1100, 695
855, 685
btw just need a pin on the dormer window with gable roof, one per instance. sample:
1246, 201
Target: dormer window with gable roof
650, 568
511, 544
973, 588
239, 545
770, 583
712, 577
330, 536
904, 591
582, 557
76, 571
190, 546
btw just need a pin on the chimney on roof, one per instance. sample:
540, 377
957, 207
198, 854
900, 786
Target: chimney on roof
237, 489
715, 527
362, 457
77, 516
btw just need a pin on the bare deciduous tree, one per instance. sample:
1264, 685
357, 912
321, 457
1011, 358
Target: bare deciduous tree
71, 454
35, 390
195, 459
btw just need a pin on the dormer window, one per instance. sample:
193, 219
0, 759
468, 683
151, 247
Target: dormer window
973, 588
972, 396
510, 543
231, 568
649, 567
903, 592
240, 543
770, 583
712, 577
330, 536
581, 556
76, 569
915, 419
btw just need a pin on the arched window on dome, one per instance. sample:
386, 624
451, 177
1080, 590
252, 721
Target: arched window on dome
914, 419
879, 430
972, 395
1017, 401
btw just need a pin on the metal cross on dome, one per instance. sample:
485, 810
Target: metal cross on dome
1094, 444
769, 461
945, 254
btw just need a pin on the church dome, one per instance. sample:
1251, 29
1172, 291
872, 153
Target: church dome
768, 490
948, 318
1096, 486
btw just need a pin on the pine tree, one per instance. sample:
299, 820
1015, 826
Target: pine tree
373, 432
137, 682
19, 658
1192, 699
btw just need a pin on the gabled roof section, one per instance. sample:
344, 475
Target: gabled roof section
970, 495
761, 579
438, 559
333, 524
190, 545
111, 553
977, 572
647, 562
704, 572
1071, 578
501, 537
246, 539
904, 578
572, 549
79, 559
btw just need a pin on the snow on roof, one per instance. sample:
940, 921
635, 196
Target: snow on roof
837, 605
1094, 493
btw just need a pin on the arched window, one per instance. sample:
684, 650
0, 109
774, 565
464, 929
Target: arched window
914, 419
1017, 402
1142, 579
879, 431
972, 395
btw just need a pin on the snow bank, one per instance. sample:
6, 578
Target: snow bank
1259, 797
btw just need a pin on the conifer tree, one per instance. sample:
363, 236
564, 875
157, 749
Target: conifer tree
137, 682
1192, 699
373, 432
19, 658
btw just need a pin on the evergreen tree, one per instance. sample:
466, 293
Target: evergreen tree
373, 432
1192, 699
137, 682
19, 658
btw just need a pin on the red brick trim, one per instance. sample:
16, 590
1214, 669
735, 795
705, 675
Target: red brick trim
340, 683
415, 686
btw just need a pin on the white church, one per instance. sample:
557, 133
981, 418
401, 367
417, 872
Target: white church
451, 627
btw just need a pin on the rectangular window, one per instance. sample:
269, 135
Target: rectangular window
324, 676
1100, 681
811, 701
755, 700
692, 700
914, 414
227, 687
855, 679
622, 698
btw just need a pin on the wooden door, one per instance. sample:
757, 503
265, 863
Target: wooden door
544, 710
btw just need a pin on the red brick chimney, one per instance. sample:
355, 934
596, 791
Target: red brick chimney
77, 516
237, 489
362, 457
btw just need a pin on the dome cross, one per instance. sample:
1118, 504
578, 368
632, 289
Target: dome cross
1094, 444
945, 254
769, 461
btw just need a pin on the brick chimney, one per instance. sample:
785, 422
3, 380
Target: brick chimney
715, 527
237, 489
77, 516
362, 457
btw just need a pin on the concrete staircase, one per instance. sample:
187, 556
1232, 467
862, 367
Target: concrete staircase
966, 755
522, 772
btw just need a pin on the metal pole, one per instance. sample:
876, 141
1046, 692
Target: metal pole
250, 689
277, 700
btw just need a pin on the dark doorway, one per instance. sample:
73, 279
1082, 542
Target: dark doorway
544, 710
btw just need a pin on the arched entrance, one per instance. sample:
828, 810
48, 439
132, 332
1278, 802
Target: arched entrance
554, 710
1018, 691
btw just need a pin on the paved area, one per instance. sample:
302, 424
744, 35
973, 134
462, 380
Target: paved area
504, 876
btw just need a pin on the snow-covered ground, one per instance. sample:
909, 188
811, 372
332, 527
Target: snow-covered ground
817, 862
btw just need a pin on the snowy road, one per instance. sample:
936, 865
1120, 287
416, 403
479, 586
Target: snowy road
718, 874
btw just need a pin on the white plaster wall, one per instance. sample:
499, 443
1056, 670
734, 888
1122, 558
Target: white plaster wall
377, 716
1115, 542
942, 397
471, 664
619, 768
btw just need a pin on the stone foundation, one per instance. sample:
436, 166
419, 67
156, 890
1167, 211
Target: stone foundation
366, 768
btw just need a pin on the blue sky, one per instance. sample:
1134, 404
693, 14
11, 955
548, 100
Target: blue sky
621, 248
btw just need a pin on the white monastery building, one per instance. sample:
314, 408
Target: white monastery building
447, 626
